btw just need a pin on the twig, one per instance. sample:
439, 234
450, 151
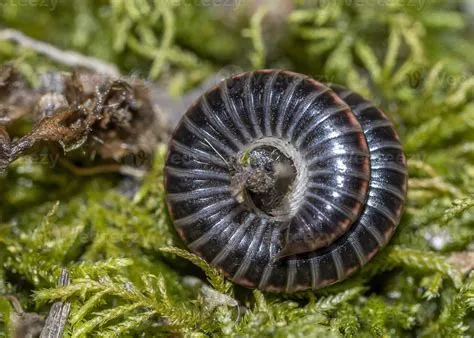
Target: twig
69, 58
102, 169
59, 313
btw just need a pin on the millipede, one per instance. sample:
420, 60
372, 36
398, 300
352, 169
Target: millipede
284, 183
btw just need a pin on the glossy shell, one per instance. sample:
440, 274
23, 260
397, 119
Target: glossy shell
343, 205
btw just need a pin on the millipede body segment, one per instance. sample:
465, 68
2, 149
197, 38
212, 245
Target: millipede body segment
285, 183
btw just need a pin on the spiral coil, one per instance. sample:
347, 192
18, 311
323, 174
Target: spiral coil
285, 183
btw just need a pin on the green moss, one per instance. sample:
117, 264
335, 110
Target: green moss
129, 272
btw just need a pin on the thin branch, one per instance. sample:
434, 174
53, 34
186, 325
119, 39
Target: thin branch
59, 313
102, 169
69, 58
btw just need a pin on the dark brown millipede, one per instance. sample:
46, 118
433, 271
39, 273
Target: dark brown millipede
285, 183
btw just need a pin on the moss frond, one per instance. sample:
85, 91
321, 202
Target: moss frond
115, 237
216, 278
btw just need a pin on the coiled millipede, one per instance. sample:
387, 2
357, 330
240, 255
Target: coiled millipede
284, 183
